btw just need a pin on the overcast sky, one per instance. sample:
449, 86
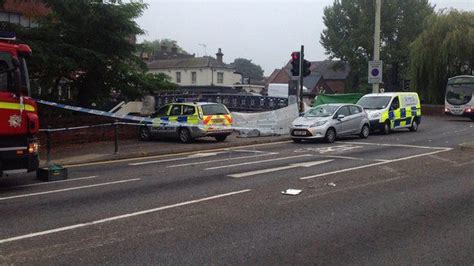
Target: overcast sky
261, 30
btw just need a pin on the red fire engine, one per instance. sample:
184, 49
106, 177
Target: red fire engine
19, 122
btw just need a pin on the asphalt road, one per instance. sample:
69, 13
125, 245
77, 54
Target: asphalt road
403, 198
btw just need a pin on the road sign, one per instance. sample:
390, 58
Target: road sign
375, 72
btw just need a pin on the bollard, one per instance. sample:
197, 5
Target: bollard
116, 136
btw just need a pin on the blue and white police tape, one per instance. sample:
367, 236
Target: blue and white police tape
143, 121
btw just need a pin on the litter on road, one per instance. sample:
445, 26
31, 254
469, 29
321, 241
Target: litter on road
291, 191
331, 184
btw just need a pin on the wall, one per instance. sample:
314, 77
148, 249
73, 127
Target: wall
204, 76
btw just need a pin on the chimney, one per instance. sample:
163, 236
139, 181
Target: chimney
219, 56
174, 49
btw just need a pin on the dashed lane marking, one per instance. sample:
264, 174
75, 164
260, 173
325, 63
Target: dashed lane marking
223, 160
269, 170
55, 182
175, 154
261, 161
69, 189
119, 217
375, 164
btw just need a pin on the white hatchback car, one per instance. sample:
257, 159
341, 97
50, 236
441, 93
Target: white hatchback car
330, 121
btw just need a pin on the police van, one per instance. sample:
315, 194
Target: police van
394, 110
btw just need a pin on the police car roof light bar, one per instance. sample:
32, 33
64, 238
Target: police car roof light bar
7, 35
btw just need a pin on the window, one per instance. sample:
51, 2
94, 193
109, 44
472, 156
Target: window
163, 111
178, 77
6, 73
395, 104
188, 110
214, 109
193, 77
220, 77
343, 111
175, 109
355, 109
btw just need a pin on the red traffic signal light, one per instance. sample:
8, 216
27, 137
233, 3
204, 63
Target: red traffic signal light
295, 63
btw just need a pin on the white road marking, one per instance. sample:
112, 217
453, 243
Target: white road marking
375, 164
192, 156
250, 151
254, 162
119, 217
55, 182
264, 171
222, 160
396, 145
341, 157
69, 189
159, 161
202, 154
174, 154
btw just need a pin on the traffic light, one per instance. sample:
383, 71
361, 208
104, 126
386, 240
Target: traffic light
306, 70
295, 63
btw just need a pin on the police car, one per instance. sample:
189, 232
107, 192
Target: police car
188, 121
390, 111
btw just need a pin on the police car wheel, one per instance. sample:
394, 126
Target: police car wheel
145, 133
184, 135
330, 135
297, 140
386, 128
414, 125
364, 133
472, 118
221, 137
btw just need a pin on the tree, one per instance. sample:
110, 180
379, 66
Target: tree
444, 49
152, 47
90, 44
248, 69
350, 29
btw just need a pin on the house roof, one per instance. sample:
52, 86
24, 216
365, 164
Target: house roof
312, 80
329, 69
194, 62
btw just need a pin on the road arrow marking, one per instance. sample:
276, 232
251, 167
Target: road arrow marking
261, 161
295, 165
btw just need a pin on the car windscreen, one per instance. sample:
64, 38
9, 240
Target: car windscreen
374, 102
459, 94
6, 72
214, 109
321, 111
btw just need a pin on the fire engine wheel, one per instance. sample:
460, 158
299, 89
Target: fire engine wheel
184, 135
145, 133
414, 125
221, 137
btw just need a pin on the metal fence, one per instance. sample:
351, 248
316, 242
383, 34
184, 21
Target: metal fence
234, 102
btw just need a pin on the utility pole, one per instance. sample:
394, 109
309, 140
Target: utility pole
378, 6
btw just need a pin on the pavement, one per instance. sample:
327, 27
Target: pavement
105, 151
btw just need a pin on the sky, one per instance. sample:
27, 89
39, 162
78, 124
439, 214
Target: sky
264, 31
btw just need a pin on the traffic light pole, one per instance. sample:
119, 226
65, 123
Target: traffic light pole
300, 89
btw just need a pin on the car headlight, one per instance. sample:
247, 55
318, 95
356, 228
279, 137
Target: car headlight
319, 123
376, 115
